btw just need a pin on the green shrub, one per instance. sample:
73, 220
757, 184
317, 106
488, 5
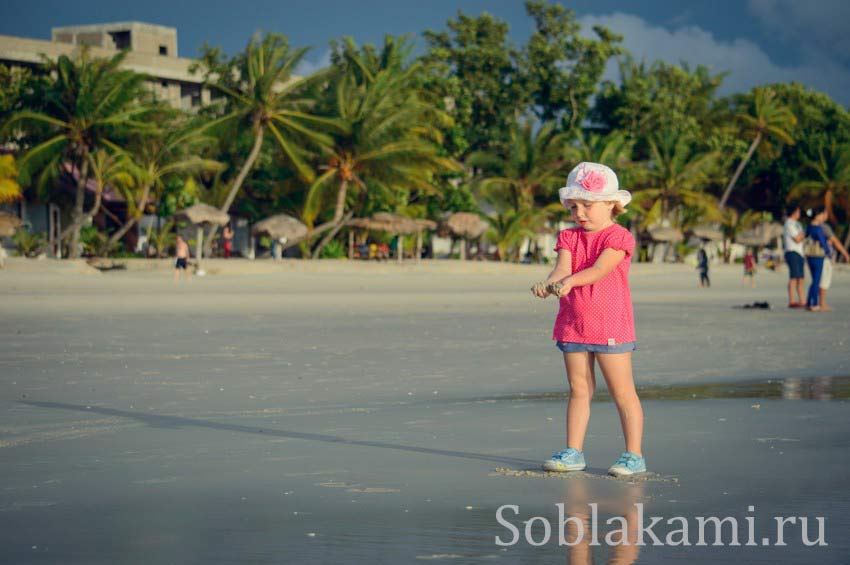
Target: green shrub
334, 250
92, 240
29, 244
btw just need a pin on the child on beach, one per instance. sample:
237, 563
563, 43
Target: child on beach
595, 322
182, 260
702, 268
749, 268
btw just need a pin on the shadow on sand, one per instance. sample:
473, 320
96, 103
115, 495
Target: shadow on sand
164, 421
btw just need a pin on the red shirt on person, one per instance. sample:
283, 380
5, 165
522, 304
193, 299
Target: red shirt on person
599, 313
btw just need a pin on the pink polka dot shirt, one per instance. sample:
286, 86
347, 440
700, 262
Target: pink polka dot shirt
600, 313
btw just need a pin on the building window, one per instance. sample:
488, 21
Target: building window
121, 39
164, 84
163, 50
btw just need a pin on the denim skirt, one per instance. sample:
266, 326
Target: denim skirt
573, 347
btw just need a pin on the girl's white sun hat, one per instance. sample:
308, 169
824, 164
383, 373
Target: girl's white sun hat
595, 182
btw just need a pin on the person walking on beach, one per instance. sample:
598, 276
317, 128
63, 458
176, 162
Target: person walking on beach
792, 240
750, 268
227, 241
816, 247
182, 263
595, 322
702, 268
826, 273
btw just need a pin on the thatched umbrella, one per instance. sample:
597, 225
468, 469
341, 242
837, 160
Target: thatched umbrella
384, 221
760, 236
665, 235
203, 215
279, 227
466, 225
9, 223
708, 232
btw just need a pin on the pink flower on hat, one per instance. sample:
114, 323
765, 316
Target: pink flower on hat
593, 181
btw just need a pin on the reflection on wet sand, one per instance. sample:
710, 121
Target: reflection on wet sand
604, 518
792, 388
819, 388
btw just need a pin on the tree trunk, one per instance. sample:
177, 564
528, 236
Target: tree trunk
331, 234
828, 201
143, 201
738, 171
340, 201
237, 182
199, 246
78, 218
335, 223
847, 239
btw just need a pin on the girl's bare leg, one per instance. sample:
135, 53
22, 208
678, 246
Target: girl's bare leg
582, 384
617, 369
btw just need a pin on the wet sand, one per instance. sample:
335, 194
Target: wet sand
301, 412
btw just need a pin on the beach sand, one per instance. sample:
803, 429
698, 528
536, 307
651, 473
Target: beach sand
335, 411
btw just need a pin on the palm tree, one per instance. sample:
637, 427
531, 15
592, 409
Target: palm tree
831, 169
88, 105
108, 168
509, 230
678, 175
531, 166
266, 97
385, 136
769, 121
156, 157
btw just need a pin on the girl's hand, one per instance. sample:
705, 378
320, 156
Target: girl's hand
560, 289
539, 290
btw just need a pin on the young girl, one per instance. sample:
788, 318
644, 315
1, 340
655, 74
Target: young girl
595, 323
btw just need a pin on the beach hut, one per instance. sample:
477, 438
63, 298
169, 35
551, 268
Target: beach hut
202, 216
466, 226
280, 227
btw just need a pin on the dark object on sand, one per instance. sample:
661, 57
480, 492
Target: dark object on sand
754, 306
107, 264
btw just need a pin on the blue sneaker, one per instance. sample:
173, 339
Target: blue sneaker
569, 459
628, 464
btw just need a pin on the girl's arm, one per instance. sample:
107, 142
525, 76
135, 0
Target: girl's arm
608, 260
563, 268
838, 245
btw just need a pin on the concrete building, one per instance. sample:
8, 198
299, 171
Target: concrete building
152, 51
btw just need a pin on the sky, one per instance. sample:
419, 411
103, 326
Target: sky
755, 41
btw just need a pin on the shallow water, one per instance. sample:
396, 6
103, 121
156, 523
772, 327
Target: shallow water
790, 388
